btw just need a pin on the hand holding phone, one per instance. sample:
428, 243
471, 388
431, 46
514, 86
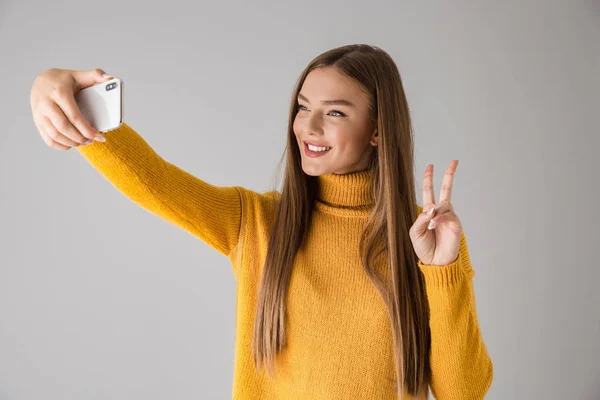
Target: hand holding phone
57, 114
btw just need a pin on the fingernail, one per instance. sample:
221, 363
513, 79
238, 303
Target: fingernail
431, 224
100, 138
107, 76
431, 211
90, 141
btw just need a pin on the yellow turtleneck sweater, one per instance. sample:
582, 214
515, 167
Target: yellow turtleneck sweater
339, 343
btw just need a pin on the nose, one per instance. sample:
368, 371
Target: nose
314, 125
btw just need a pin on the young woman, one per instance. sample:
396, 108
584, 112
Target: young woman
346, 289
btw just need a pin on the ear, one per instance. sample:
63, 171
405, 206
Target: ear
375, 138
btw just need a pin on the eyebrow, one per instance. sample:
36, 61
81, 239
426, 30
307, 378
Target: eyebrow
339, 102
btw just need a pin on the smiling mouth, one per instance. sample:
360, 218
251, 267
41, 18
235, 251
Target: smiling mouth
311, 153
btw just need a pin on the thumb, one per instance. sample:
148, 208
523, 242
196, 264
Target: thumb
84, 79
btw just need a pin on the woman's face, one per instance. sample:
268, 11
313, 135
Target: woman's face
344, 126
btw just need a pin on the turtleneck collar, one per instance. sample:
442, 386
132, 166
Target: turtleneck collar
352, 192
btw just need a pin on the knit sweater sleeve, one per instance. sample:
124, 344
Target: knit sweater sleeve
460, 365
128, 162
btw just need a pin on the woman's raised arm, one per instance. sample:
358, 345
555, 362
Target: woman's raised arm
209, 212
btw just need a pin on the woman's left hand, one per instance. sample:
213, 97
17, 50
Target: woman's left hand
438, 245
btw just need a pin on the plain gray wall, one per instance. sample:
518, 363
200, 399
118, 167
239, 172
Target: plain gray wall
100, 299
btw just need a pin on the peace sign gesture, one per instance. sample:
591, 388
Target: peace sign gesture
436, 236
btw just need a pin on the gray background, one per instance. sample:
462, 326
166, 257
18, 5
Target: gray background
101, 300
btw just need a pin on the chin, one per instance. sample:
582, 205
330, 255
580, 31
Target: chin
313, 171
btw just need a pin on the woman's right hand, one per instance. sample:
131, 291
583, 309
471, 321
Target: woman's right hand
55, 111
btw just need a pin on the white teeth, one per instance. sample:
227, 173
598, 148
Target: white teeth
316, 148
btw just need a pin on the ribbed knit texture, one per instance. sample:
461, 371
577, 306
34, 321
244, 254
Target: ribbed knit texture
339, 343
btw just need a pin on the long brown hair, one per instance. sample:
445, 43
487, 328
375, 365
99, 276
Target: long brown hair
386, 231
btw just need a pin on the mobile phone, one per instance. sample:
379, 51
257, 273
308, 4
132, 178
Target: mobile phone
102, 104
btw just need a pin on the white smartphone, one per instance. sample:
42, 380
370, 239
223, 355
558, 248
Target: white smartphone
102, 104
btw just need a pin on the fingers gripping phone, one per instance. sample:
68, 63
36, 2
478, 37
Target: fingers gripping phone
102, 104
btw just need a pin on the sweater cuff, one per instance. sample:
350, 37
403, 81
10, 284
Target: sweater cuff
442, 276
